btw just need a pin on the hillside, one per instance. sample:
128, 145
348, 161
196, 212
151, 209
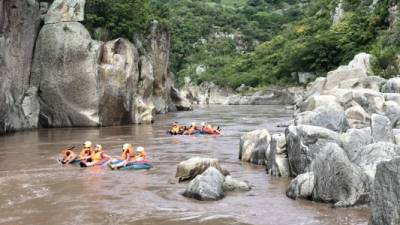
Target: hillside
259, 42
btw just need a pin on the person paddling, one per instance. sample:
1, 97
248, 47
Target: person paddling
86, 151
69, 155
97, 156
126, 156
176, 129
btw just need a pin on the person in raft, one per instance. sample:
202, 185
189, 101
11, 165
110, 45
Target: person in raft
208, 129
192, 129
97, 156
126, 156
176, 129
69, 155
141, 154
87, 151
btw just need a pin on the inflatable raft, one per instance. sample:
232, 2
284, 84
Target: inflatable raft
103, 162
142, 165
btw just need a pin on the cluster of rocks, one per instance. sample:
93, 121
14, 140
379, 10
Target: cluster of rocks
61, 77
210, 93
345, 128
208, 181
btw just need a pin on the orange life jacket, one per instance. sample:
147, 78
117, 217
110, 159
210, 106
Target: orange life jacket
85, 153
97, 156
176, 129
126, 154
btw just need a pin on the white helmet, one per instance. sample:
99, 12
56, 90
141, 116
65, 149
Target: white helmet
87, 144
140, 149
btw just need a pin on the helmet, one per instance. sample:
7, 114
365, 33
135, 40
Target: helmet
140, 149
193, 124
99, 147
87, 144
126, 146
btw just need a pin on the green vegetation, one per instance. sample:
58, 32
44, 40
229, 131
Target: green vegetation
257, 42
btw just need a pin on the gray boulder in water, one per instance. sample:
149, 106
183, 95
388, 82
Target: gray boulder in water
304, 142
337, 180
253, 146
302, 186
207, 186
385, 197
192, 167
231, 184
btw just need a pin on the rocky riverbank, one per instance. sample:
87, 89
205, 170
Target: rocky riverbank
345, 127
56, 75
209, 93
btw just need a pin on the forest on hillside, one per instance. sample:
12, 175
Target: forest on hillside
257, 42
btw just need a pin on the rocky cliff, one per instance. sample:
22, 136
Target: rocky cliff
19, 24
58, 76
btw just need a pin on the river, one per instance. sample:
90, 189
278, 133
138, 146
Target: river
35, 189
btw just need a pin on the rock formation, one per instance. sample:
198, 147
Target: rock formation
75, 80
19, 25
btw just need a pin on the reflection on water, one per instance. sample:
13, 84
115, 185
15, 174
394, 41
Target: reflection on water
37, 190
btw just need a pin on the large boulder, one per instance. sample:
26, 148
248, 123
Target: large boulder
316, 101
158, 51
357, 116
381, 129
330, 116
385, 197
302, 186
143, 108
65, 70
354, 140
392, 86
371, 155
337, 180
118, 78
371, 82
192, 167
304, 142
19, 26
180, 101
392, 111
253, 146
395, 97
65, 11
317, 86
357, 69
277, 163
206, 187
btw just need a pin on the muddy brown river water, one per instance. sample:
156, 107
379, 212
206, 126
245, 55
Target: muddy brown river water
35, 189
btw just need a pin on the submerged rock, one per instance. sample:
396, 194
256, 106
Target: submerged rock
231, 184
192, 167
253, 146
385, 197
207, 186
